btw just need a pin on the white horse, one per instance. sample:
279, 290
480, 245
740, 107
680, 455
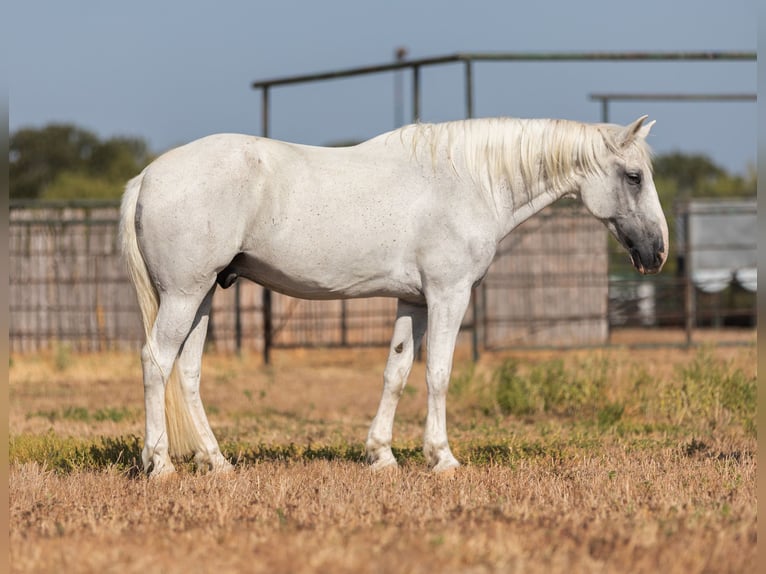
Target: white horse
415, 214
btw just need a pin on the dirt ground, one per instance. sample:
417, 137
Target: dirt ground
562, 495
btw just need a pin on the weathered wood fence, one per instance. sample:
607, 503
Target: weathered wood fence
68, 285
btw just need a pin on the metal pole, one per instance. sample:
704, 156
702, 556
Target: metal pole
468, 89
343, 324
237, 319
266, 295
605, 119
415, 93
400, 54
690, 311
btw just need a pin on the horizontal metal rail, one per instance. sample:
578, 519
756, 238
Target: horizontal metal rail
64, 204
676, 97
467, 57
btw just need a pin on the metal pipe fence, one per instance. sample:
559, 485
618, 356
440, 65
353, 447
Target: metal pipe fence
467, 60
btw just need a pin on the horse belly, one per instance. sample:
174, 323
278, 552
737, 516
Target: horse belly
308, 270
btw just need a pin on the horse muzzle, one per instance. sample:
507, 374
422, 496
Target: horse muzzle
647, 257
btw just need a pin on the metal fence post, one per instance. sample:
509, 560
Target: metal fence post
689, 303
343, 324
237, 319
415, 93
468, 89
266, 296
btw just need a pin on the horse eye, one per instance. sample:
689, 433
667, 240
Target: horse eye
634, 177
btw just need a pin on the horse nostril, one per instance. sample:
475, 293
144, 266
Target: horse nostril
659, 252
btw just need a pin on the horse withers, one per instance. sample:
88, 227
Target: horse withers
416, 214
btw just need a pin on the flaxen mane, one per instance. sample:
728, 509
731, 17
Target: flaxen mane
508, 151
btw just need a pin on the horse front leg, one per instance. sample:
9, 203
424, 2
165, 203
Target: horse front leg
408, 334
445, 313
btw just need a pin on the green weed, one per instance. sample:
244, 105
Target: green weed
462, 382
67, 454
514, 393
550, 388
709, 394
82, 414
610, 414
249, 454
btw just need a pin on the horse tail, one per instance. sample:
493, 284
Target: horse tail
183, 436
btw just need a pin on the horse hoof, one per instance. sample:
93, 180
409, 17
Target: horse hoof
447, 474
446, 469
224, 470
380, 458
163, 475
385, 469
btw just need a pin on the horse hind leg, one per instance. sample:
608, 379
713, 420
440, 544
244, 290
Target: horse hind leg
207, 454
174, 321
408, 334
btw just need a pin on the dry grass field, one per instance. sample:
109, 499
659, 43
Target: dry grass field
614, 460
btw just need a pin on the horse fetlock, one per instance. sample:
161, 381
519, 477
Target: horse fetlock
381, 461
158, 466
439, 457
379, 453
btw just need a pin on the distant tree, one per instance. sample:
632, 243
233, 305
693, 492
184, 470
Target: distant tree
119, 158
62, 161
79, 185
688, 171
37, 156
694, 175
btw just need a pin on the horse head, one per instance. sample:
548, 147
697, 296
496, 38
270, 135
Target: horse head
622, 195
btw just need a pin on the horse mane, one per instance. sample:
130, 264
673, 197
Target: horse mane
495, 151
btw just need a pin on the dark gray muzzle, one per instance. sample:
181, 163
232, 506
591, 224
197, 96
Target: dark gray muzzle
647, 251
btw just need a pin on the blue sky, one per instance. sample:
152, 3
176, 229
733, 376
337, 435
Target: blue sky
172, 71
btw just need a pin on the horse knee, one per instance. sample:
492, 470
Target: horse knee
438, 379
395, 378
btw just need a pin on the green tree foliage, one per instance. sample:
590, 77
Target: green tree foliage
62, 161
682, 176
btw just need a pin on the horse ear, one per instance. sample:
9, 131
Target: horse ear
636, 129
644, 131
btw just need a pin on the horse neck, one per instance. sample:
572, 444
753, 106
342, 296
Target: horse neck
515, 202
518, 165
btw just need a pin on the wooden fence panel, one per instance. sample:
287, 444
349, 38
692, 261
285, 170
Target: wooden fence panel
68, 285
548, 285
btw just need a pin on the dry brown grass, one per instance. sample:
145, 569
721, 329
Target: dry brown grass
566, 497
